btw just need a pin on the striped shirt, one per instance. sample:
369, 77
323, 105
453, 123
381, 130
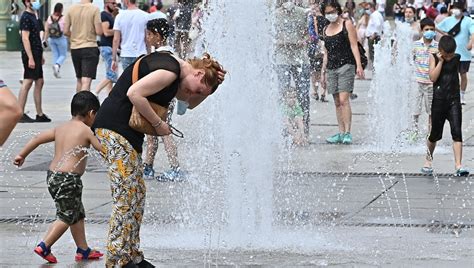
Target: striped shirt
421, 54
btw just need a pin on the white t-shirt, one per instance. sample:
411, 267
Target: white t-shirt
375, 24
157, 15
132, 26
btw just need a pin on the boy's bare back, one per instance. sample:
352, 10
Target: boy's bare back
72, 140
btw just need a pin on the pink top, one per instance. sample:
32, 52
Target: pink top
61, 22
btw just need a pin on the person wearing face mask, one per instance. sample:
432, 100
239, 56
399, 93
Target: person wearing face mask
291, 54
374, 28
341, 61
105, 46
33, 60
410, 19
422, 49
462, 29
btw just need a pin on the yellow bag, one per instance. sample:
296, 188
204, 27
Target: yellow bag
137, 121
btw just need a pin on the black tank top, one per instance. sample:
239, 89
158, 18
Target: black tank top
116, 109
339, 49
447, 85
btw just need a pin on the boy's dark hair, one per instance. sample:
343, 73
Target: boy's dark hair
443, 10
331, 3
159, 5
426, 22
447, 44
159, 26
83, 102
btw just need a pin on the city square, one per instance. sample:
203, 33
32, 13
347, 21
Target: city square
251, 197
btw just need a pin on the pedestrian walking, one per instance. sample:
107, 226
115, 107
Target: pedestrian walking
54, 33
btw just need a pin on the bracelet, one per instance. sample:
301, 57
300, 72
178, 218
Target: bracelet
157, 124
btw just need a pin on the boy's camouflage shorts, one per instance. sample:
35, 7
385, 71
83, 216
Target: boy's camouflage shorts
66, 191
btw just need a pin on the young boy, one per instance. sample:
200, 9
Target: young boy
446, 105
422, 49
64, 174
294, 118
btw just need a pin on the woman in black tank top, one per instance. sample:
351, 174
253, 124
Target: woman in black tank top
161, 77
341, 62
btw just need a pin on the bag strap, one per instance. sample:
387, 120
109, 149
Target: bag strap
458, 24
136, 67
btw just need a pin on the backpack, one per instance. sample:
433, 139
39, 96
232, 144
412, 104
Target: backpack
54, 29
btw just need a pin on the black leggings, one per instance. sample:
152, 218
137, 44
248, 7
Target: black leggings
442, 110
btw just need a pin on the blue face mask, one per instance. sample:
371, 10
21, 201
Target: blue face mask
430, 35
36, 5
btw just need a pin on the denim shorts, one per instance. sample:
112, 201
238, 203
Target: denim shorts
106, 53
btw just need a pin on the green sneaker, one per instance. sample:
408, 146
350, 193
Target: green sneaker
347, 138
337, 138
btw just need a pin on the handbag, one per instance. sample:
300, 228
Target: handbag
137, 121
456, 28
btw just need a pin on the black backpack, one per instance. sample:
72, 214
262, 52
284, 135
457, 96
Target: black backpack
54, 29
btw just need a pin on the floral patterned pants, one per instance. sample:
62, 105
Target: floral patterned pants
128, 194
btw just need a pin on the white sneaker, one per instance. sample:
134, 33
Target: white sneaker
463, 102
56, 71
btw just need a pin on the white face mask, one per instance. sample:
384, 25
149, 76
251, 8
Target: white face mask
331, 17
456, 12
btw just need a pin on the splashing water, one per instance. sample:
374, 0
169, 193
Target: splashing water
392, 88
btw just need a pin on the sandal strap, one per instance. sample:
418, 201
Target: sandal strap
46, 250
84, 253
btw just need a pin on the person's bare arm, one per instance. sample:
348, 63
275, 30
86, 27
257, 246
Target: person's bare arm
94, 141
46, 30
10, 113
115, 45
67, 26
150, 84
435, 69
323, 69
25, 37
43, 137
105, 29
355, 48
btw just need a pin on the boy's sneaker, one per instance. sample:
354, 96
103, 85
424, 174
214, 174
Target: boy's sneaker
347, 138
87, 254
44, 252
148, 172
461, 172
427, 170
174, 174
56, 71
42, 119
334, 139
26, 119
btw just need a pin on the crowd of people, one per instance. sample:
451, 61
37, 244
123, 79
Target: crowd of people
321, 47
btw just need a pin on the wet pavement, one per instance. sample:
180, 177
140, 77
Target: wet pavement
330, 207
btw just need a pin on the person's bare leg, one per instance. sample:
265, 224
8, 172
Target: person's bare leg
340, 121
171, 151
78, 232
78, 84
86, 83
25, 88
37, 96
463, 82
103, 84
457, 148
55, 231
346, 111
429, 153
429, 123
10, 113
152, 147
